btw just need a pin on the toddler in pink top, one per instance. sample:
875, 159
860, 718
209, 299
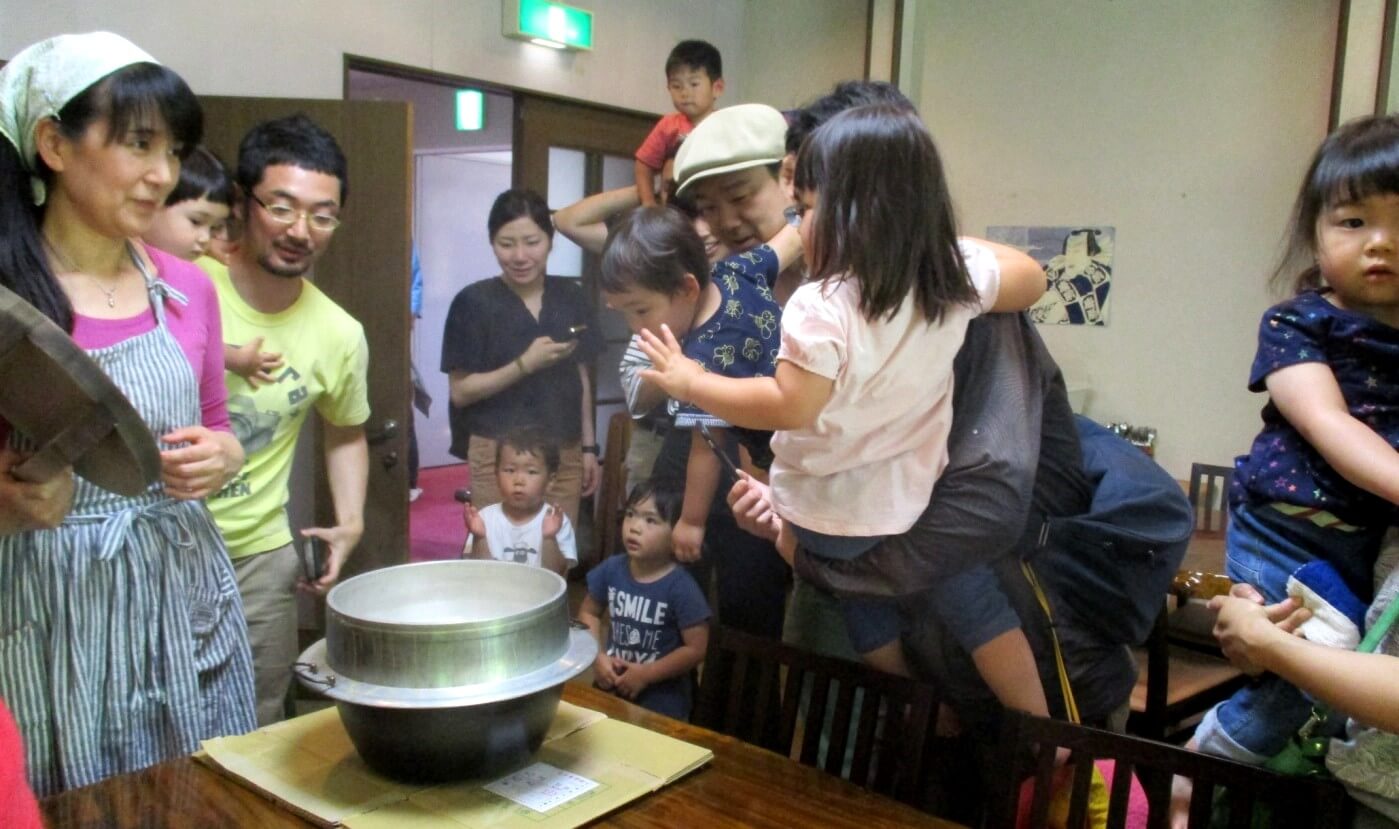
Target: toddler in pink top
862, 396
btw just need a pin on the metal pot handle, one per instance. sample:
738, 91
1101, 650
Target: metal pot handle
310, 672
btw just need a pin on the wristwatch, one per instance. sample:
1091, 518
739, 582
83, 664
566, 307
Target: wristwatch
592, 449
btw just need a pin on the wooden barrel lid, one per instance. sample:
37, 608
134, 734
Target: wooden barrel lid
58, 397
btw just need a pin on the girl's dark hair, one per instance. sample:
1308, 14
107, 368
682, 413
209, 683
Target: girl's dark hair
668, 500
296, 141
129, 98
653, 248
884, 214
519, 204
685, 204
845, 95
1359, 160
202, 176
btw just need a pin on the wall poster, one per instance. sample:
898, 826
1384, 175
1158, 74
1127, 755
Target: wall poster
1078, 262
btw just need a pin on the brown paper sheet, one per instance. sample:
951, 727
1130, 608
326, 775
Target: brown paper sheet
309, 765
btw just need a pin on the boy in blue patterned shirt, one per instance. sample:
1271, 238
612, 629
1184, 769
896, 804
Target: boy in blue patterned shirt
655, 272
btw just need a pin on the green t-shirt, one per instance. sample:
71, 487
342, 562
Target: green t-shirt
325, 362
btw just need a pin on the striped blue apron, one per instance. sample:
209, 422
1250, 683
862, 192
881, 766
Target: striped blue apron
122, 640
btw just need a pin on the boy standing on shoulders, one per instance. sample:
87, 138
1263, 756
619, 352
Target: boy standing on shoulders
522, 528
659, 618
292, 183
695, 78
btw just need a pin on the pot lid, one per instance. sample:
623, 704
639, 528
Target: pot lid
314, 672
52, 392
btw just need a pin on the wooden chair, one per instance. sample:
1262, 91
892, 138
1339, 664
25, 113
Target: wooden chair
1181, 674
1177, 679
1028, 746
1209, 496
886, 719
612, 493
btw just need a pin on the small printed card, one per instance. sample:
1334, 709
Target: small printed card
541, 787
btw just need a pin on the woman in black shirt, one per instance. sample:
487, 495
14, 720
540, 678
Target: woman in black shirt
516, 350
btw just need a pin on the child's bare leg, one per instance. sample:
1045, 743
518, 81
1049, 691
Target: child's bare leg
888, 658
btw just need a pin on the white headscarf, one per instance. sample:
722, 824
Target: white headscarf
43, 78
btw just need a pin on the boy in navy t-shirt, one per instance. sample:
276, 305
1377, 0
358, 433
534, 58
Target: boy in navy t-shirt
659, 618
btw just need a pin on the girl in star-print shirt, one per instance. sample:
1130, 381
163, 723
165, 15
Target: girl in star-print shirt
1321, 480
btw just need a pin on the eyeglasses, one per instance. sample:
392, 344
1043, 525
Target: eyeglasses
288, 215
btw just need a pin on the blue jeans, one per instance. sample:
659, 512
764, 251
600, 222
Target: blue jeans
1263, 548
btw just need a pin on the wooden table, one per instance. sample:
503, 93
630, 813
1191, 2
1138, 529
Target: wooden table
1205, 553
742, 786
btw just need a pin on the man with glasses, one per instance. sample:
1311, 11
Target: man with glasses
291, 179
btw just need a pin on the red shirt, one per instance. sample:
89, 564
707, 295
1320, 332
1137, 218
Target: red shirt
664, 141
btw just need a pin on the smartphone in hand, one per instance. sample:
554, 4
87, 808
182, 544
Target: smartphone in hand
718, 450
313, 558
570, 334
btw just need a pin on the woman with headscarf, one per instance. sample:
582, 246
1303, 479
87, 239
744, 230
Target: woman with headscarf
122, 640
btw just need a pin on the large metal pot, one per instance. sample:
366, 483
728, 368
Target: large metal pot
446, 623
450, 669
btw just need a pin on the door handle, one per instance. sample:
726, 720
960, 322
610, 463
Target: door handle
386, 432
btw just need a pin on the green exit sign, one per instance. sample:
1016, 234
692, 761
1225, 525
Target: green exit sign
471, 110
548, 24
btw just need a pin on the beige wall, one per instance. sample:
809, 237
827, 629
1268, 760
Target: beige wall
798, 49
782, 52
295, 48
1185, 125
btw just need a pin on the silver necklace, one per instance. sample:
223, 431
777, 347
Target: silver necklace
110, 293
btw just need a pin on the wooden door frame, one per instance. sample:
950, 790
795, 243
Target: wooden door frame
591, 124
540, 121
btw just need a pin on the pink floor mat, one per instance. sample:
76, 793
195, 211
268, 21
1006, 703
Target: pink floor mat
435, 522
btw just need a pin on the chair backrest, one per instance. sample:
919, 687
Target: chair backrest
1028, 750
1209, 496
875, 727
612, 492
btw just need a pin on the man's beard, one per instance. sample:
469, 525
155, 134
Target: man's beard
266, 263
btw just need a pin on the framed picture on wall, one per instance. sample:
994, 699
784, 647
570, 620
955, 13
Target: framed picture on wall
1078, 262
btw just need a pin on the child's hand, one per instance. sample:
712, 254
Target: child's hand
632, 680
672, 371
687, 540
251, 363
475, 524
553, 520
604, 674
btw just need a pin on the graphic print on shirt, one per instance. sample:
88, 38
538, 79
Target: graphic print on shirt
520, 550
638, 623
255, 428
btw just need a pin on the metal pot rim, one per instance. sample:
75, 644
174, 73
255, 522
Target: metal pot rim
369, 622
313, 671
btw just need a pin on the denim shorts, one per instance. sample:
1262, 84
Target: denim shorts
1263, 548
871, 623
838, 547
